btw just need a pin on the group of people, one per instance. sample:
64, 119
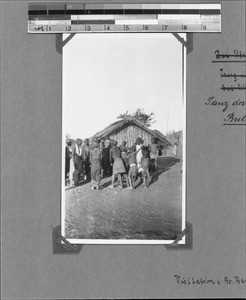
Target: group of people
94, 161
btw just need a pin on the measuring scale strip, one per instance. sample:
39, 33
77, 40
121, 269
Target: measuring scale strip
124, 28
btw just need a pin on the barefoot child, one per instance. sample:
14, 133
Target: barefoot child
133, 170
117, 162
145, 163
139, 155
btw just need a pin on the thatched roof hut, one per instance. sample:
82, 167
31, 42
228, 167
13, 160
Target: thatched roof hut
128, 130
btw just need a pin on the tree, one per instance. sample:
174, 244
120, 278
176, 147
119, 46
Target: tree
139, 115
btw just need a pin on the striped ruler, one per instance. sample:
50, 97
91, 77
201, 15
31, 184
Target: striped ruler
93, 18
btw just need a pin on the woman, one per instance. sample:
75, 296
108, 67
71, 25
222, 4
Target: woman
117, 162
95, 160
78, 161
86, 158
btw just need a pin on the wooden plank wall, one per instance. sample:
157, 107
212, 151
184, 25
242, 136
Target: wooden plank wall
130, 134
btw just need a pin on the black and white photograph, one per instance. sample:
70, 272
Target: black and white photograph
123, 155
123, 119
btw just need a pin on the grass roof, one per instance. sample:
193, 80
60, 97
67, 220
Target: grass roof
112, 128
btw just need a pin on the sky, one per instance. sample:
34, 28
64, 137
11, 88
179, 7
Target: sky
105, 75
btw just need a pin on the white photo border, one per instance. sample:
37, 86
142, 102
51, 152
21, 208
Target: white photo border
184, 213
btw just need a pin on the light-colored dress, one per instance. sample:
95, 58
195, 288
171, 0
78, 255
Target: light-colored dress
95, 158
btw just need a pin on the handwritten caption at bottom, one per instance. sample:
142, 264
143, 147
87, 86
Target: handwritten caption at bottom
204, 281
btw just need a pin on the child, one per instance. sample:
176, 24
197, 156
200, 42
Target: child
139, 155
145, 163
116, 161
133, 170
95, 160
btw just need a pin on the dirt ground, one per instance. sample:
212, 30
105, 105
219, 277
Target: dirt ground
127, 214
